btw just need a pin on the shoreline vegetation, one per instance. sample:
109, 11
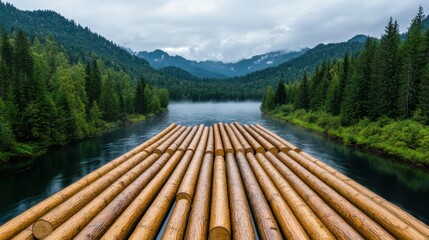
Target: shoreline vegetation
25, 153
376, 100
48, 99
385, 137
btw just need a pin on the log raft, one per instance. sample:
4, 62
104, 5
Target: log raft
224, 181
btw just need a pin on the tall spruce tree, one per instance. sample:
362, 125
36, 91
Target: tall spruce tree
385, 90
140, 105
280, 96
414, 63
303, 97
6, 68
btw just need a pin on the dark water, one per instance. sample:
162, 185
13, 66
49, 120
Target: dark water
19, 190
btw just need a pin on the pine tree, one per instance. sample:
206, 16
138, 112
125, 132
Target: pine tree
6, 68
414, 64
139, 100
268, 100
303, 100
385, 89
424, 94
280, 96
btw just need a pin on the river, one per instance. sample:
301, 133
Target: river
405, 186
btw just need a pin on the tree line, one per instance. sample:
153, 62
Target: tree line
46, 99
388, 78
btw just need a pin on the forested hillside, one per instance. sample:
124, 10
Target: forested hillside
47, 99
379, 98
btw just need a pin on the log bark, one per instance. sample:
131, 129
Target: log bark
186, 135
252, 141
406, 217
265, 143
196, 140
263, 216
385, 218
152, 219
308, 220
287, 221
25, 219
125, 223
220, 225
288, 144
189, 181
176, 225
160, 149
227, 145
336, 224
219, 151
198, 223
210, 142
279, 145
241, 139
241, 219
355, 217
234, 140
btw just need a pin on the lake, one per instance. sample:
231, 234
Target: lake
405, 186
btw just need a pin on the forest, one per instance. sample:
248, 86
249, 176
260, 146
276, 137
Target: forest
46, 99
378, 98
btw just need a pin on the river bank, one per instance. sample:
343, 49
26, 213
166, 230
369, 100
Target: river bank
24, 154
405, 140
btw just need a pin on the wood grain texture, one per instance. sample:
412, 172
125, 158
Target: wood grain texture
241, 139
257, 147
265, 143
227, 145
288, 144
22, 221
210, 142
335, 223
219, 151
233, 138
220, 224
241, 219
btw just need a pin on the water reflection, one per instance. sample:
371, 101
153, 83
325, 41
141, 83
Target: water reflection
403, 185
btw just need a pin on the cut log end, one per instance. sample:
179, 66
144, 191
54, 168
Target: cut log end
183, 195
219, 152
42, 229
274, 151
297, 149
259, 150
219, 233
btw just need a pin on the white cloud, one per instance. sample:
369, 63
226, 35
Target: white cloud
229, 30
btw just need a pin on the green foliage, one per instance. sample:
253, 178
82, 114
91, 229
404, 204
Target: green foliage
268, 103
48, 100
280, 96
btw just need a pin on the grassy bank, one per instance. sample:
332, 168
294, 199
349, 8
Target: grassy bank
404, 140
23, 154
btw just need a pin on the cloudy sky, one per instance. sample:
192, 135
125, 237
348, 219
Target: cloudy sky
229, 30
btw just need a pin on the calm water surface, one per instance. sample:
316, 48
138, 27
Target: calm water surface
19, 190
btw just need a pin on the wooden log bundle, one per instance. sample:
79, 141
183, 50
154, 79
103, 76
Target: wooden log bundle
214, 187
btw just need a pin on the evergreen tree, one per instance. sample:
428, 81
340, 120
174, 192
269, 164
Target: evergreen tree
385, 90
147, 100
414, 64
303, 100
140, 104
424, 94
280, 96
268, 100
6, 68
163, 97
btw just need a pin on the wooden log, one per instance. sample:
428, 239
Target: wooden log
234, 140
264, 218
210, 142
388, 220
176, 225
151, 149
74, 224
265, 143
124, 224
219, 151
241, 219
188, 184
185, 142
287, 221
176, 143
340, 228
227, 145
220, 225
309, 221
288, 144
355, 217
22, 221
279, 145
252, 141
198, 223
241, 139
196, 140
99, 223
406, 217
152, 219
54, 218
160, 149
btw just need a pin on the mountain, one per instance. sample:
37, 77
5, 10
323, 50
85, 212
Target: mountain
80, 42
215, 69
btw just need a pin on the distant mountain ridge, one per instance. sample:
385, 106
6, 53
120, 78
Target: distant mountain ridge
215, 69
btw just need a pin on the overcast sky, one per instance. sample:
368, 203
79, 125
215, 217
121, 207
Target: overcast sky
229, 30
